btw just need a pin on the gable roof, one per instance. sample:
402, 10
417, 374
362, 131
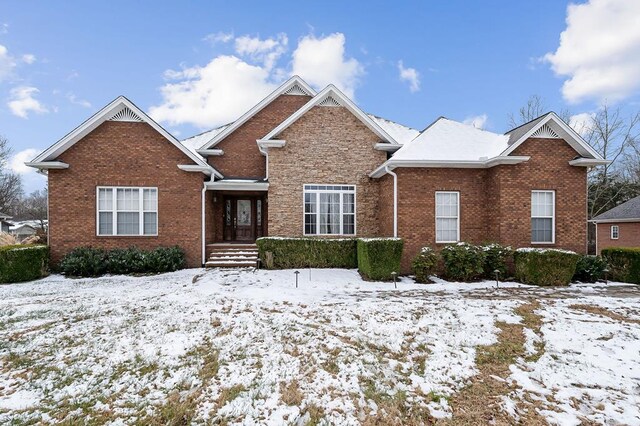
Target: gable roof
401, 133
120, 109
332, 96
193, 143
552, 126
294, 86
625, 211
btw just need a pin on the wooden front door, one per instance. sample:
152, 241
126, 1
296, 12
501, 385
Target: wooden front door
243, 218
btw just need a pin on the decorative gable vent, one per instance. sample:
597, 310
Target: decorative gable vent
330, 102
297, 90
126, 115
545, 132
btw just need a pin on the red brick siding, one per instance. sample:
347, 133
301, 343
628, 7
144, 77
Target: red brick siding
124, 154
241, 155
385, 205
629, 235
328, 145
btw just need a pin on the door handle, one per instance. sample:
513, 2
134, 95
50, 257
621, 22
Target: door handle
235, 220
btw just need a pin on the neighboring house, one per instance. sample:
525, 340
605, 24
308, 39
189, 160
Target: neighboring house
4, 222
619, 227
22, 231
303, 163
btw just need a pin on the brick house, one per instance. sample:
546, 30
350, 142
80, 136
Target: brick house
307, 163
619, 227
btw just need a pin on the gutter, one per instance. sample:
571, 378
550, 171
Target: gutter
204, 244
263, 144
476, 164
395, 201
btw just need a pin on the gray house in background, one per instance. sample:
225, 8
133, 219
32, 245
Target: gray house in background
4, 222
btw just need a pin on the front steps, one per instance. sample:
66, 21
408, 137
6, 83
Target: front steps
232, 256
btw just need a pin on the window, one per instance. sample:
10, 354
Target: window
447, 217
127, 211
615, 232
329, 210
543, 216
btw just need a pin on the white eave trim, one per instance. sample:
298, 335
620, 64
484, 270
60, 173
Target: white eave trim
454, 164
589, 162
630, 219
565, 132
45, 165
207, 170
221, 185
259, 107
210, 152
343, 100
388, 147
274, 143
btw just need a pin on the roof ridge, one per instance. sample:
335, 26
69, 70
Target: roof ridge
207, 131
530, 121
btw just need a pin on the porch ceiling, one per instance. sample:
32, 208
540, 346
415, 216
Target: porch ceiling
238, 185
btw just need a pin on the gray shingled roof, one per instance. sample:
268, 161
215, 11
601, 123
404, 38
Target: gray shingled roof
517, 132
4, 216
627, 210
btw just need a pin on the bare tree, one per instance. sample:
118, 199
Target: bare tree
533, 109
34, 207
10, 183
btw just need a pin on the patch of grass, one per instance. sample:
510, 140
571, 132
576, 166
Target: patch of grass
290, 393
315, 413
598, 310
331, 367
229, 394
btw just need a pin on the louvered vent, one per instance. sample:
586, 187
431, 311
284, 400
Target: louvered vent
330, 102
545, 132
126, 115
297, 90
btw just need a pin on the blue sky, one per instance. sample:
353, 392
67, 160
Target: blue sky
196, 65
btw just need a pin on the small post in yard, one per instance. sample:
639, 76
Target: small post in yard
606, 275
259, 262
497, 272
297, 273
394, 275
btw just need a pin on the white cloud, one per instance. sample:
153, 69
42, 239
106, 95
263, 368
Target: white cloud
7, 63
226, 87
582, 122
16, 163
477, 121
321, 61
4, 28
28, 58
22, 101
411, 76
267, 51
71, 97
219, 37
599, 51
215, 94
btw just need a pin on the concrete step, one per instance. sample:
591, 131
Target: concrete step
225, 263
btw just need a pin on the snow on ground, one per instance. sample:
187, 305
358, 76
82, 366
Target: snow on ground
120, 346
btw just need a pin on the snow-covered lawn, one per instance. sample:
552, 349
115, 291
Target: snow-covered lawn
247, 347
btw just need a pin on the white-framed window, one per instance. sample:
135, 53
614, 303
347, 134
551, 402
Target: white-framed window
543, 212
447, 216
127, 211
329, 209
615, 232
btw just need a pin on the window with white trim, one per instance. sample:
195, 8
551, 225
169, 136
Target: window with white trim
543, 216
447, 216
615, 232
127, 211
329, 210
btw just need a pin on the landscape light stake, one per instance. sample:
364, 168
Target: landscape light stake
497, 272
394, 275
297, 272
259, 263
606, 275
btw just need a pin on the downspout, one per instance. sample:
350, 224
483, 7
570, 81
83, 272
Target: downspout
395, 200
265, 152
204, 247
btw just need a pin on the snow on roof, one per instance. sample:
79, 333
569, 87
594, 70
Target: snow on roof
196, 142
402, 134
450, 140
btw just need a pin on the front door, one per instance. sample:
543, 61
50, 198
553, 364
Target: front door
243, 220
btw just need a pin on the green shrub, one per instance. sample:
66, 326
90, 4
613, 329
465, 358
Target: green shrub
463, 261
545, 267
291, 253
590, 269
379, 257
624, 264
84, 262
497, 258
23, 262
425, 264
92, 262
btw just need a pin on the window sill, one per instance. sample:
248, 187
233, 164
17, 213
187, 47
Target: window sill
547, 243
127, 236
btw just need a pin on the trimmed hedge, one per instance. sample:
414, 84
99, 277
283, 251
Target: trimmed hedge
463, 261
590, 269
93, 262
545, 267
289, 253
379, 257
624, 264
23, 262
425, 264
497, 257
